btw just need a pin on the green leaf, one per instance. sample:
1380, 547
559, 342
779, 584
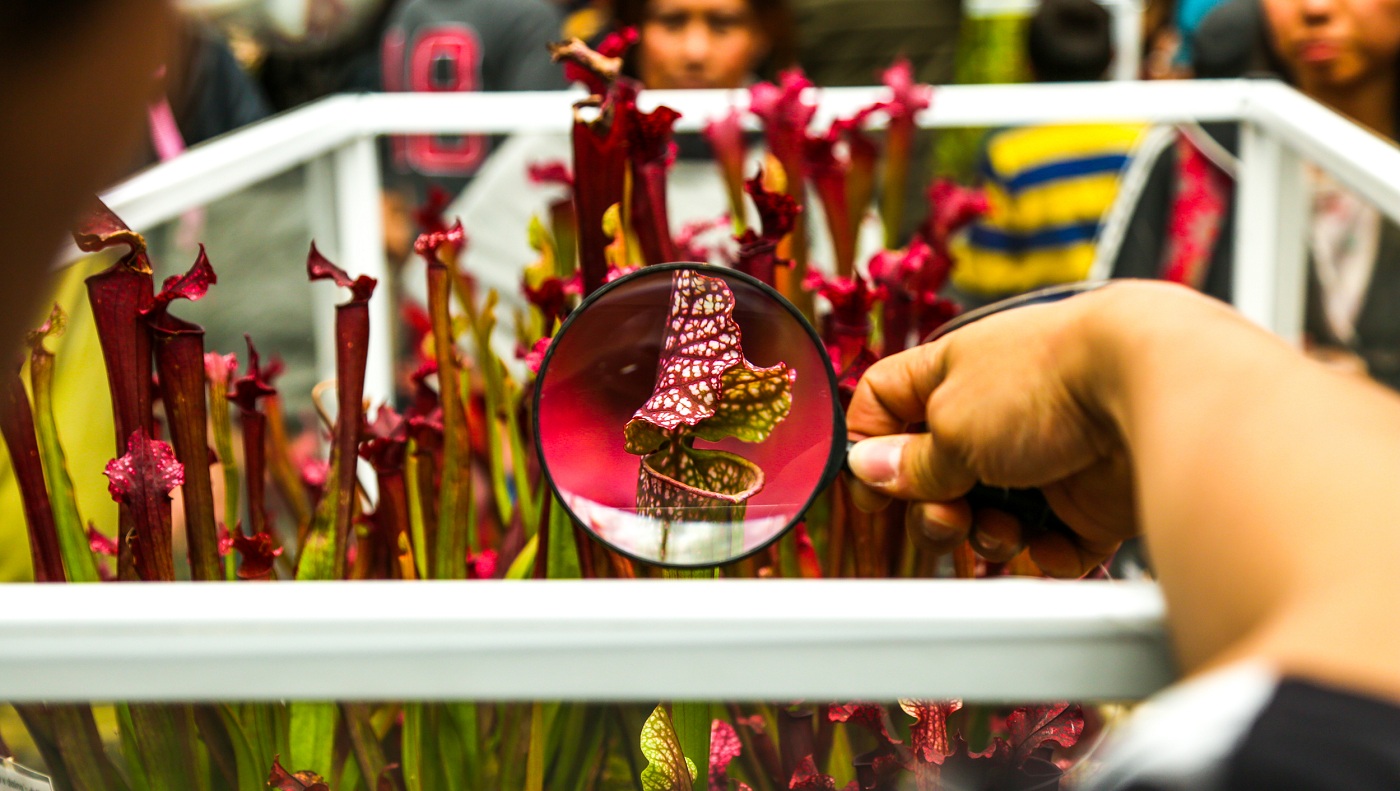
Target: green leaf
165, 742
418, 529
468, 768
252, 776
365, 751
313, 737
692, 723
524, 564
561, 562
78, 562
483, 322
75, 731
318, 555
135, 766
534, 761
753, 401
667, 767
412, 756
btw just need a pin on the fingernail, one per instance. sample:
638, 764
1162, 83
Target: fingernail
936, 529
986, 543
876, 460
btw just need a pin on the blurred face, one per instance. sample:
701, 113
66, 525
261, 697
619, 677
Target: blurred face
1331, 44
699, 44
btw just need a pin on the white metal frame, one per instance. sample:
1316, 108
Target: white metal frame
985, 640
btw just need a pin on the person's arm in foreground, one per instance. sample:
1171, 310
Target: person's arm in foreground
1268, 487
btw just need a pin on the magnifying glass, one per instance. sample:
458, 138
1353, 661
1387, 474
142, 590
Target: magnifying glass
687, 416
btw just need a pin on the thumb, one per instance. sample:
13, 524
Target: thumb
909, 467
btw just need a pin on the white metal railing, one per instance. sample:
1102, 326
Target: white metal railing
982, 640
1007, 640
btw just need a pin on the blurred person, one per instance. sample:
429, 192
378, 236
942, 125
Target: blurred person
463, 45
1146, 408
682, 44
456, 45
585, 20
705, 43
208, 92
1177, 221
852, 42
302, 50
1048, 186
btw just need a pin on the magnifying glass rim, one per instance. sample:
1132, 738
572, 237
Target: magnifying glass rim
835, 459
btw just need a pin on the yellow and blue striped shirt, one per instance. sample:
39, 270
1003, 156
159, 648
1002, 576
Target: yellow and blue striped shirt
1047, 190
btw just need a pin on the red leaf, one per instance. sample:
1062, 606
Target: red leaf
726, 139
785, 114
429, 245
846, 328
724, 748
99, 228
550, 298
387, 442
871, 716
534, 358
807, 778
702, 344
483, 566
807, 561
226, 539
552, 172
429, 216
908, 96
258, 555
301, 781
1031, 727
318, 267
687, 246
192, 285
951, 206
219, 369
652, 151
929, 733
253, 385
148, 470
777, 211
100, 544
595, 69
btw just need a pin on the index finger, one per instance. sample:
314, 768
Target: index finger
894, 392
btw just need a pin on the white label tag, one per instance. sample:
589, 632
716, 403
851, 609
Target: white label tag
14, 776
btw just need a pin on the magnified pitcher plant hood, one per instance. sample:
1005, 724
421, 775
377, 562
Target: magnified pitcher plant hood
707, 390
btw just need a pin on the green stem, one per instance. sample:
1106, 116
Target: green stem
68, 523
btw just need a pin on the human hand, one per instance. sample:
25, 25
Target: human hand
1009, 400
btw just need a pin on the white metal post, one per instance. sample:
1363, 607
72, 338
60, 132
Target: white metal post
360, 236
1270, 274
1127, 39
322, 221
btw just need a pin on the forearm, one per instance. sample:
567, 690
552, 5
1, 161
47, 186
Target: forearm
1267, 486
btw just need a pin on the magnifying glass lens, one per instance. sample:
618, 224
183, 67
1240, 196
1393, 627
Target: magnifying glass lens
687, 415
